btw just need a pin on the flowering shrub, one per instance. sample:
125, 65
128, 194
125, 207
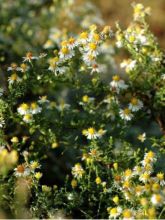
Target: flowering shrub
71, 111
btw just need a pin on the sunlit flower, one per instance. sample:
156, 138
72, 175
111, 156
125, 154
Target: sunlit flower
114, 212
117, 83
135, 105
90, 133
29, 57
126, 114
128, 214
142, 137
14, 78
23, 109
65, 53
27, 118
22, 171
157, 200
129, 65
34, 108
78, 171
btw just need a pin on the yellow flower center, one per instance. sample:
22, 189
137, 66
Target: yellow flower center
134, 101
92, 46
24, 106
127, 111
84, 35
64, 50
71, 40
85, 98
127, 213
14, 77
91, 131
116, 78
20, 168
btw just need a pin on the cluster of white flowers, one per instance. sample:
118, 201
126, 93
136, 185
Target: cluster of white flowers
88, 44
139, 184
28, 110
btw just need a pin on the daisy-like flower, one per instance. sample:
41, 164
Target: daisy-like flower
129, 65
137, 170
139, 190
43, 99
13, 67
128, 174
83, 38
35, 108
101, 132
142, 137
126, 114
90, 133
78, 171
24, 67
94, 37
27, 118
92, 49
23, 109
128, 214
48, 44
160, 178
157, 199
89, 59
149, 158
29, 57
66, 53
144, 177
14, 78
135, 105
72, 43
94, 68
22, 171
117, 83
62, 106
114, 212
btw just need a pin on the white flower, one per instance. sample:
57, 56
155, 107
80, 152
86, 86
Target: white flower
34, 108
43, 99
23, 109
142, 137
77, 171
157, 200
66, 54
72, 43
14, 78
22, 171
13, 67
94, 68
92, 49
135, 105
27, 118
90, 133
62, 106
83, 38
29, 57
128, 64
115, 212
126, 114
101, 132
118, 84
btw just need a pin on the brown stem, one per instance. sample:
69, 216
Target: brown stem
161, 124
